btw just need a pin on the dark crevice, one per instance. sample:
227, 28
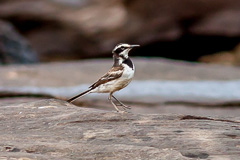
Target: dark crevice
232, 136
189, 117
199, 104
27, 95
196, 155
97, 121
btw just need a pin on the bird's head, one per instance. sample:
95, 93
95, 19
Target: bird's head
121, 50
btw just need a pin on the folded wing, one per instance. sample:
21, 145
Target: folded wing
112, 74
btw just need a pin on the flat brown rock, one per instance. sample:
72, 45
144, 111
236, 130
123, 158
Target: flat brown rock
54, 129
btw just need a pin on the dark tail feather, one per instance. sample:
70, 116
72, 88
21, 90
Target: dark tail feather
78, 96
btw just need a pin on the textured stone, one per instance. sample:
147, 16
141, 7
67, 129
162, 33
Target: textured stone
54, 129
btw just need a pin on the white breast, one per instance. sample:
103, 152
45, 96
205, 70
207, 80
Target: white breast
128, 72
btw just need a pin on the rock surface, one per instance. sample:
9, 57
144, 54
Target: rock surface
13, 47
81, 29
54, 129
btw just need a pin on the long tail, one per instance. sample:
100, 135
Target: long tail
78, 96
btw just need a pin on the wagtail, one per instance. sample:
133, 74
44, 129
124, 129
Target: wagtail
118, 77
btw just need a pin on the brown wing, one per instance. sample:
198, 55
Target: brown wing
113, 73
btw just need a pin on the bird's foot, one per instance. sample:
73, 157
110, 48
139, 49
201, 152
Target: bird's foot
123, 111
126, 110
124, 106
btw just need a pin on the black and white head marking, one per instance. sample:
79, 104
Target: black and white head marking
122, 50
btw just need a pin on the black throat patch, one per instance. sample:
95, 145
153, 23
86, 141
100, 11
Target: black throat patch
128, 62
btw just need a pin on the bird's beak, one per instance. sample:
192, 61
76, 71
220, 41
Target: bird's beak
135, 45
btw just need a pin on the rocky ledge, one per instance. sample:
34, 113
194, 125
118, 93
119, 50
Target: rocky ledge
55, 129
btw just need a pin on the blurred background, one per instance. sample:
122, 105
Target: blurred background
61, 30
173, 34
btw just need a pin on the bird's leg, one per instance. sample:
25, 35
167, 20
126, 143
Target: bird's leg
110, 99
123, 105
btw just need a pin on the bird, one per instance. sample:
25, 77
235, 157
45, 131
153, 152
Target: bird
117, 78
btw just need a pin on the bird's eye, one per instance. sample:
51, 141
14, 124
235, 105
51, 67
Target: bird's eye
119, 50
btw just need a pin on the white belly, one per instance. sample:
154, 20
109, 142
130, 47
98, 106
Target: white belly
117, 84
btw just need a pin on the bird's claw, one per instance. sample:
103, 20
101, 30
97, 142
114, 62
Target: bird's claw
124, 106
127, 107
123, 111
